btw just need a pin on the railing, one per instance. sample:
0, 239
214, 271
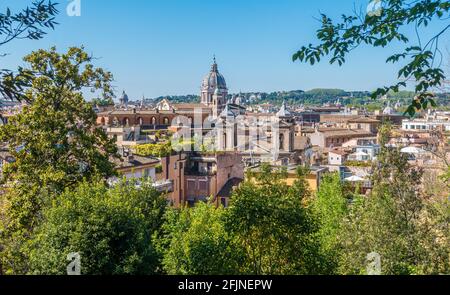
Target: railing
163, 186
193, 172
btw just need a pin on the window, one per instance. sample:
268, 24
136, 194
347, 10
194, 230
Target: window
191, 185
202, 185
147, 172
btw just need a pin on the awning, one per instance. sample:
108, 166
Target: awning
412, 150
354, 178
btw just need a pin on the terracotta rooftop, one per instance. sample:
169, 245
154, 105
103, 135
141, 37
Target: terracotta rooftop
179, 106
363, 120
135, 161
339, 152
336, 132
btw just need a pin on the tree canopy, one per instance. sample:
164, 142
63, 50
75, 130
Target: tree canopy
111, 229
54, 140
194, 241
30, 23
378, 29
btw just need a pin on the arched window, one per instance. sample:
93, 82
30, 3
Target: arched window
153, 121
166, 121
281, 141
140, 121
103, 121
224, 140
126, 121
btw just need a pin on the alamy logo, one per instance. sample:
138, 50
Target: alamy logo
74, 266
74, 8
373, 264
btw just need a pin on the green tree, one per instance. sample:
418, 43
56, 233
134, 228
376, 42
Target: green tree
111, 229
30, 23
154, 149
330, 209
102, 102
195, 242
410, 232
382, 27
273, 225
54, 140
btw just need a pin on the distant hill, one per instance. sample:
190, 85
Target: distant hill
190, 98
318, 96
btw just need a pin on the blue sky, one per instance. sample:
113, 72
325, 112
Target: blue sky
165, 47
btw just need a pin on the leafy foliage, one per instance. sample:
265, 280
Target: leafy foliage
410, 232
102, 102
381, 29
195, 242
154, 149
330, 208
30, 23
273, 225
54, 139
111, 229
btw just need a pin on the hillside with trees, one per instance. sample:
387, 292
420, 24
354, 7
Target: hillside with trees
316, 97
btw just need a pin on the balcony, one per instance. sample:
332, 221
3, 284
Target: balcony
165, 186
194, 172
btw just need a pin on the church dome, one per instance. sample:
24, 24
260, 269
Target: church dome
214, 80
